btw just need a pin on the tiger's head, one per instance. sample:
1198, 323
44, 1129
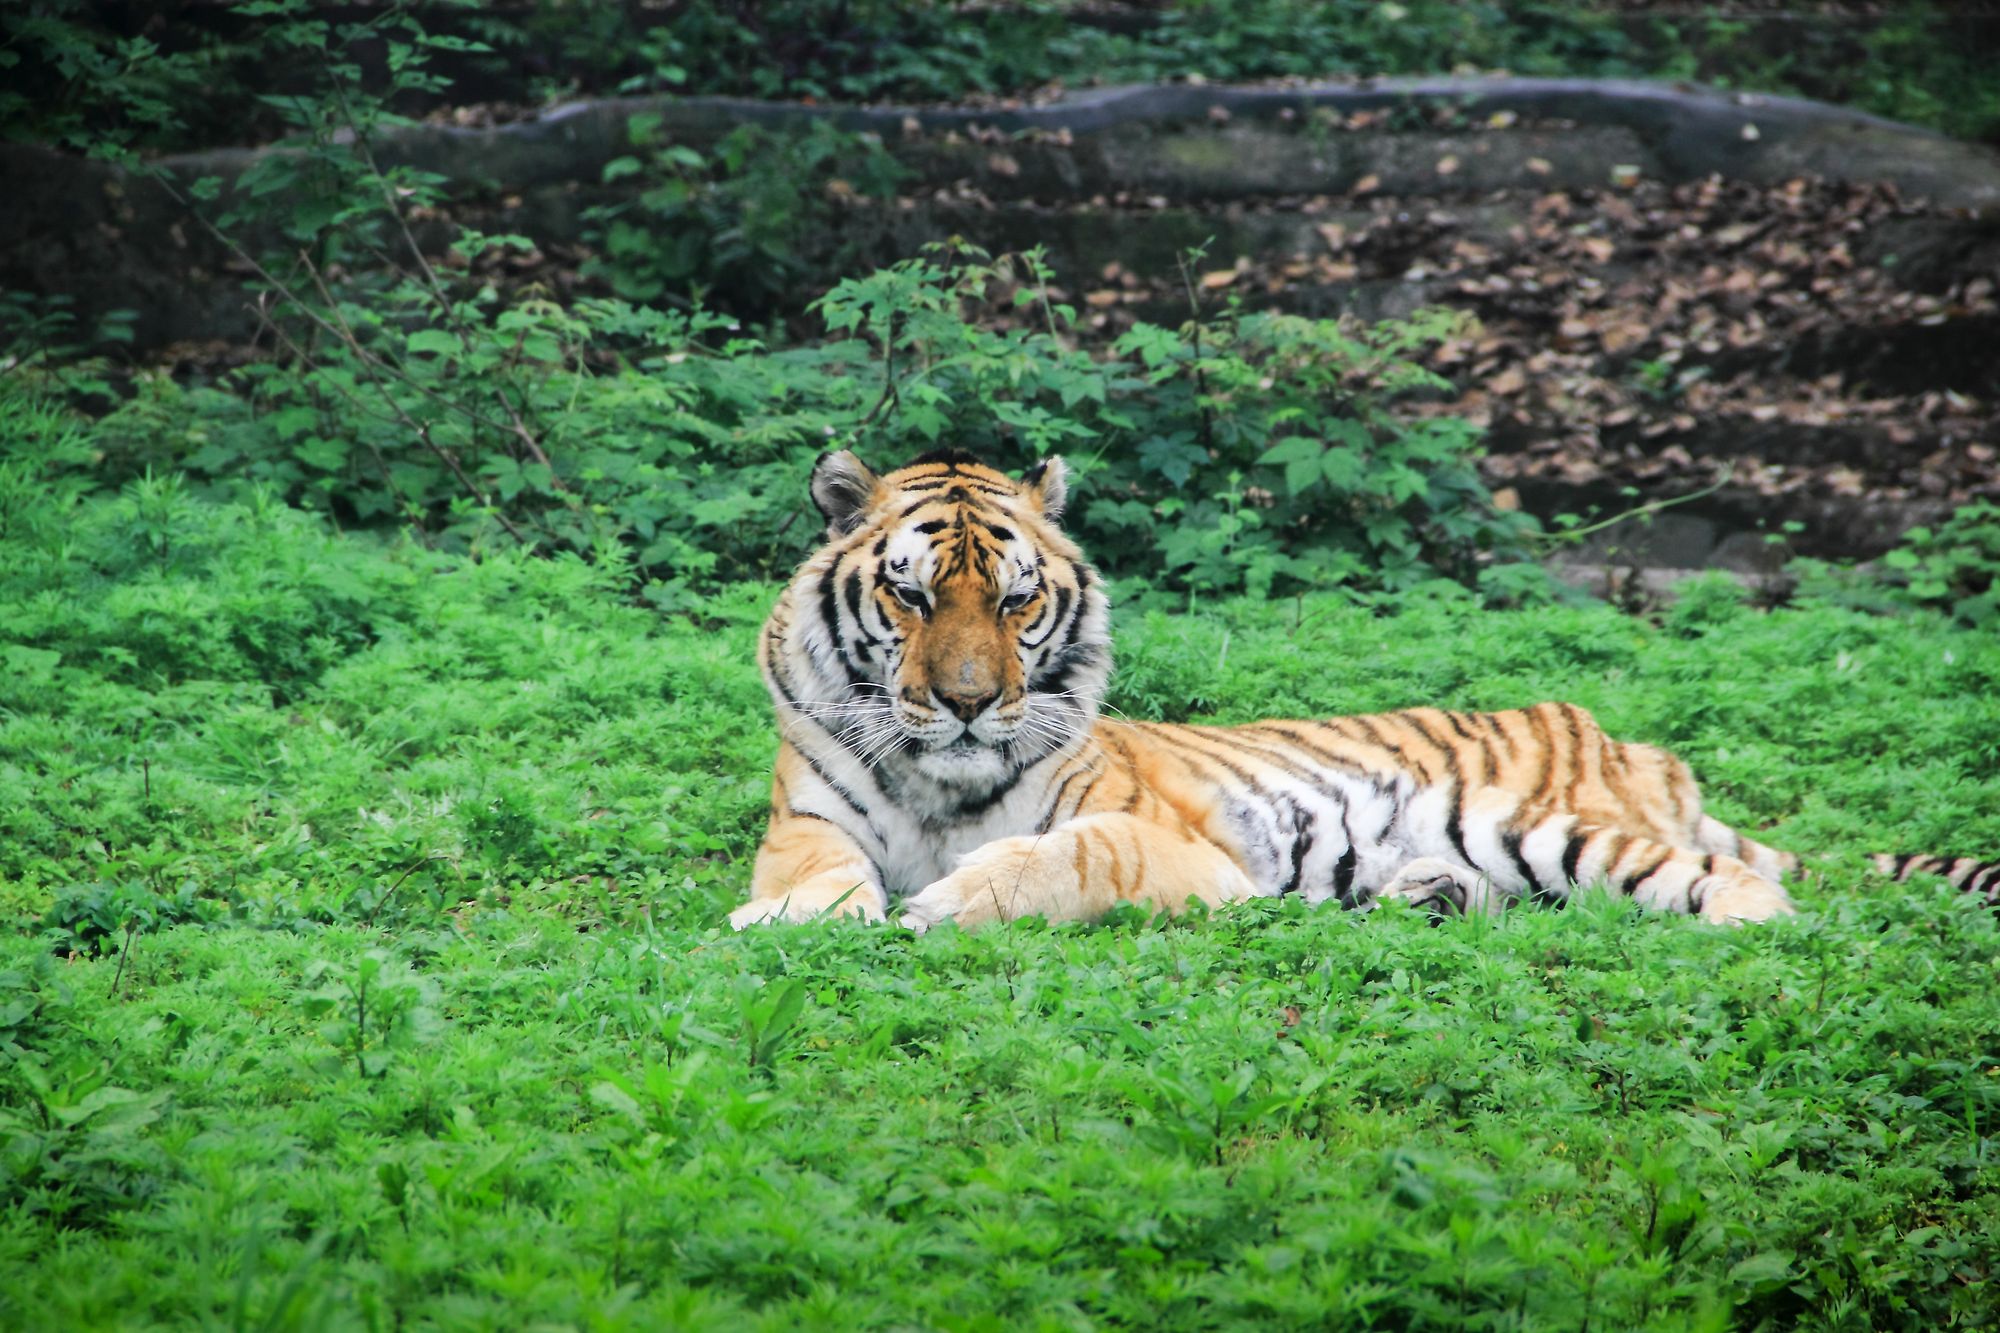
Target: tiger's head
948, 633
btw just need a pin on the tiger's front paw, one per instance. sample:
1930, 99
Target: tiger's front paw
998, 882
970, 896
935, 904
836, 894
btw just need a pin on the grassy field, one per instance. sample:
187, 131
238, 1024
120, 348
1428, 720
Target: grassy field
366, 969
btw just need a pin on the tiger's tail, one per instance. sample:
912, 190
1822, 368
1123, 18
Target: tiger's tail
1967, 874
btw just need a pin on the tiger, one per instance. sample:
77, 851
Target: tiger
938, 669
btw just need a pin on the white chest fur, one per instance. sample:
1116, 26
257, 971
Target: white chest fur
909, 849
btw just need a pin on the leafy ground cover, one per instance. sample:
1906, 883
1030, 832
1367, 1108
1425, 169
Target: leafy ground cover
365, 967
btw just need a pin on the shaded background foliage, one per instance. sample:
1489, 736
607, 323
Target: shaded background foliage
171, 73
1241, 450
415, 381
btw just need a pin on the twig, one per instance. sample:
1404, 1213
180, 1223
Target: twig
429, 274
347, 339
890, 392
397, 416
1650, 507
1194, 343
891, 396
118, 978
390, 892
420, 429
790, 519
1038, 273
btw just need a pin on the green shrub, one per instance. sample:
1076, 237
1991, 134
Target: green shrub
89, 922
1255, 451
152, 584
1954, 568
68, 79
742, 226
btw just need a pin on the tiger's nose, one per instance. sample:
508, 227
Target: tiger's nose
965, 707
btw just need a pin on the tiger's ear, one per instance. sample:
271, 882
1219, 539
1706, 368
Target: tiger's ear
1048, 486
843, 488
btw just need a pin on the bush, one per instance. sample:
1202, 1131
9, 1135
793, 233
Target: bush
1954, 569
150, 584
1239, 451
745, 224
1257, 451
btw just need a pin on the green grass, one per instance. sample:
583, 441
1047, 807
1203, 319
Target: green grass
427, 1016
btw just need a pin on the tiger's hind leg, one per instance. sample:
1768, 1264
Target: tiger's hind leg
1507, 857
1565, 851
1671, 879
